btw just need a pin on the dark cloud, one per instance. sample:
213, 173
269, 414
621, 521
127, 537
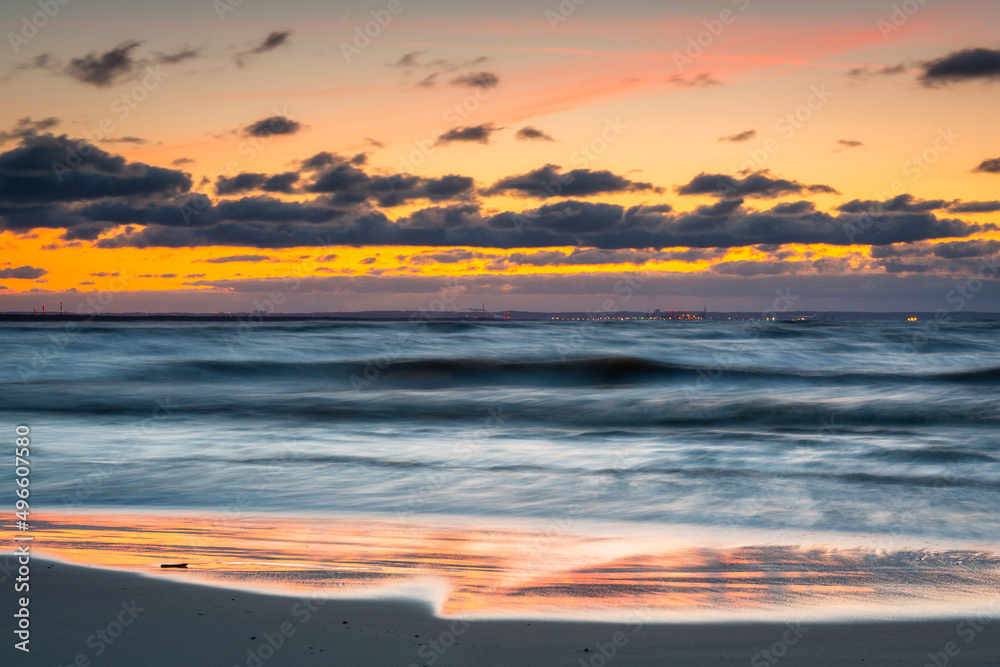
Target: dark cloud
111, 67
181, 161
237, 258
45, 169
849, 143
106, 68
594, 256
23, 273
758, 185
547, 181
320, 160
178, 56
903, 203
965, 65
413, 60
950, 250
272, 125
530, 133
472, 133
955, 258
349, 185
991, 166
964, 249
881, 70
795, 208
410, 59
273, 40
762, 268
477, 80
124, 140
975, 207
374, 142
452, 256
26, 127
745, 135
402, 188
267, 223
105, 192
244, 182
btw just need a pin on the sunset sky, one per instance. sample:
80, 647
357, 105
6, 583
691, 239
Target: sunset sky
210, 156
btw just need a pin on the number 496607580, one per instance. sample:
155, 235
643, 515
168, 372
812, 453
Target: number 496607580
22, 470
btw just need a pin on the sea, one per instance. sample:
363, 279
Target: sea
681, 470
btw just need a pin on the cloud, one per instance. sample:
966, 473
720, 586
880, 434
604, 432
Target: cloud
965, 65
374, 142
178, 56
699, 81
400, 189
529, 133
154, 207
273, 40
124, 140
263, 222
271, 126
181, 161
758, 184
477, 80
45, 168
964, 249
759, 268
412, 60
284, 182
903, 203
975, 207
546, 182
745, 135
991, 166
951, 258
108, 68
104, 69
881, 70
236, 258
472, 133
26, 127
23, 273
351, 186
849, 143
595, 256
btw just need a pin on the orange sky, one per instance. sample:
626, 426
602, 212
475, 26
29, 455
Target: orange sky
630, 94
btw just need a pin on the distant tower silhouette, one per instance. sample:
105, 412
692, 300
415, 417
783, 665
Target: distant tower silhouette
60, 308
43, 309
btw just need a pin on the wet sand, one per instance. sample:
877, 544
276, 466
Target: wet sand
91, 616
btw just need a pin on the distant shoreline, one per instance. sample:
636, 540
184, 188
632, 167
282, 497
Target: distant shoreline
504, 316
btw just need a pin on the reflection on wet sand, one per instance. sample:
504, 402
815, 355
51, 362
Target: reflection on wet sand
477, 569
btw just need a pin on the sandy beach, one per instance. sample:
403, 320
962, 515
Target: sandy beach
92, 616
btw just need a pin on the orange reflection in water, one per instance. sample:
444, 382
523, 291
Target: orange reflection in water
469, 569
